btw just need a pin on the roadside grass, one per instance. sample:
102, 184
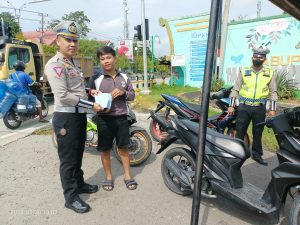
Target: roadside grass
268, 139
144, 103
43, 131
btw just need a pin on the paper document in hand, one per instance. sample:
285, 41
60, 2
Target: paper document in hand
104, 100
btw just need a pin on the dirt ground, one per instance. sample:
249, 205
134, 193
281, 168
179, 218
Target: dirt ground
31, 193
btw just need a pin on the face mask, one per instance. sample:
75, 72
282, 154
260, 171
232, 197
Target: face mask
257, 62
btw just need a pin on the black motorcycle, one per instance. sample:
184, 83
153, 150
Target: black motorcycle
18, 114
222, 122
223, 159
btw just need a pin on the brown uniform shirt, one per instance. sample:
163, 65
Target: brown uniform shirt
66, 81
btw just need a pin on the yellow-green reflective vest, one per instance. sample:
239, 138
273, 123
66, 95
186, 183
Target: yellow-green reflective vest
255, 85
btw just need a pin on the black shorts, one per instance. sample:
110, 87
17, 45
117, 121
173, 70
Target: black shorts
110, 128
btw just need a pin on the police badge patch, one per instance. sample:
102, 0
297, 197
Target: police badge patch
72, 28
123, 84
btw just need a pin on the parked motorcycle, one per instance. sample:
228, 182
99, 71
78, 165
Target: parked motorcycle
140, 146
223, 159
222, 122
18, 113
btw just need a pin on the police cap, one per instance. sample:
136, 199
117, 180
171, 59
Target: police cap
68, 29
261, 50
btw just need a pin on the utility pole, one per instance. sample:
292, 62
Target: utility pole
144, 47
258, 8
42, 28
126, 32
224, 29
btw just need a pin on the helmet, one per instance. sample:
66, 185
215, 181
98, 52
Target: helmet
19, 65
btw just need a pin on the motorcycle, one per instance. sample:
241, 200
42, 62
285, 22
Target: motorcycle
140, 146
222, 122
16, 115
223, 159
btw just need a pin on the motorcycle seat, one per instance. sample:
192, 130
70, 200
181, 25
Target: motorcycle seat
233, 146
194, 107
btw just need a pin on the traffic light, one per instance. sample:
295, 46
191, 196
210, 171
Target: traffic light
147, 28
138, 34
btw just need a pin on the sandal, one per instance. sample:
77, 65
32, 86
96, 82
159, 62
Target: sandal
108, 185
131, 184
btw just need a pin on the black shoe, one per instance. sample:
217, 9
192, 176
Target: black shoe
87, 188
260, 160
78, 206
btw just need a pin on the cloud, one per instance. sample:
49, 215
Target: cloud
116, 23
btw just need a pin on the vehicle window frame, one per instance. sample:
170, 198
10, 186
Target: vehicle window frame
22, 54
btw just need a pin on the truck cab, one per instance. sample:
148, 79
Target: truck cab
27, 51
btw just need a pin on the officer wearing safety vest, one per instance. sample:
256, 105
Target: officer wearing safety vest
254, 86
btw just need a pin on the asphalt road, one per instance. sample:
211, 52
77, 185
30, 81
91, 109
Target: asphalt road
30, 190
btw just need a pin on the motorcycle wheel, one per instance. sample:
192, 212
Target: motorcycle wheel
232, 132
156, 133
10, 120
139, 149
186, 161
294, 218
45, 108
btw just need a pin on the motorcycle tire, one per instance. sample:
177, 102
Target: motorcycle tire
10, 120
294, 217
169, 179
232, 132
156, 133
140, 148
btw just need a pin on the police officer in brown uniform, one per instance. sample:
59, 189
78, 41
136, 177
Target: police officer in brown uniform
253, 87
69, 120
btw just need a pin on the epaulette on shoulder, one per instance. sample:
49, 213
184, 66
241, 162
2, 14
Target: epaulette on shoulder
247, 71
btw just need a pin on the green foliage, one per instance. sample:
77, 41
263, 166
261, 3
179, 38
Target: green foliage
216, 84
89, 48
53, 23
123, 62
285, 87
78, 17
10, 19
50, 50
146, 102
162, 69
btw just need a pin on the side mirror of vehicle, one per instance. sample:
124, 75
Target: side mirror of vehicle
2, 57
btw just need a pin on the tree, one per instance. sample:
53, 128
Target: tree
50, 50
9, 18
78, 17
123, 62
89, 48
53, 23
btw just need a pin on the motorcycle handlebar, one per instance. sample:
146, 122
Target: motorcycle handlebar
221, 93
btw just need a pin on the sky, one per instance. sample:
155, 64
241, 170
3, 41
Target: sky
107, 16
